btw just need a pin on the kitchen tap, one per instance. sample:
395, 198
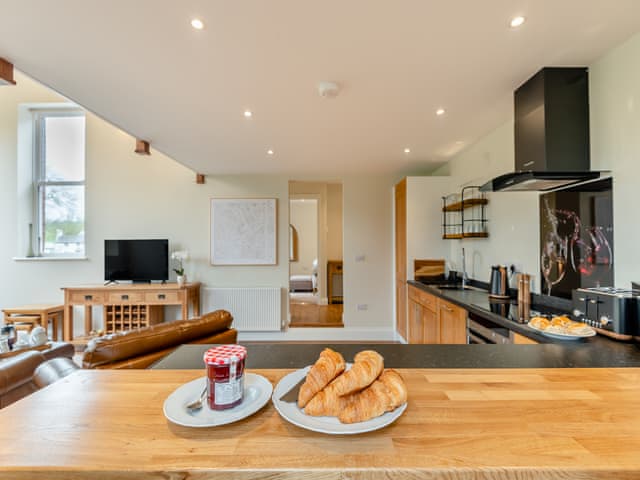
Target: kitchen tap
465, 279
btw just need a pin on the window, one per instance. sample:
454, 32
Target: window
59, 181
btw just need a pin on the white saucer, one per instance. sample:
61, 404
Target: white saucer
257, 391
330, 425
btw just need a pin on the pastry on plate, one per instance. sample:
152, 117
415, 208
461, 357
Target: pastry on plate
561, 321
385, 394
579, 329
326, 402
327, 367
367, 366
540, 323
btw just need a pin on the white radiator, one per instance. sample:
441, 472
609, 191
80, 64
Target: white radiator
253, 309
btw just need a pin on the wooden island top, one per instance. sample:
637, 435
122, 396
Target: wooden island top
459, 424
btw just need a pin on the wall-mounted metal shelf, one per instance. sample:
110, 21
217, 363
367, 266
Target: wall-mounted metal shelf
464, 215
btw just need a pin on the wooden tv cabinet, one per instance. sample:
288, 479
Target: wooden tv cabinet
127, 306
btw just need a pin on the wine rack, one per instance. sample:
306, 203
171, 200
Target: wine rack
119, 318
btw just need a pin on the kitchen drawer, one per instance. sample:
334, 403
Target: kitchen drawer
522, 340
86, 298
125, 297
423, 298
162, 297
453, 323
450, 308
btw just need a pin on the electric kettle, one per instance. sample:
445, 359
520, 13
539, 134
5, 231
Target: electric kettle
499, 282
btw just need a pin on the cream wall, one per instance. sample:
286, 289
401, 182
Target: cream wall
368, 259
615, 145
424, 219
334, 221
132, 196
513, 217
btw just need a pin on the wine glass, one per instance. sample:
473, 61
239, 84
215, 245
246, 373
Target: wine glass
553, 260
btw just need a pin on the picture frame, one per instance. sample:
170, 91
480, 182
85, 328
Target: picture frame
243, 231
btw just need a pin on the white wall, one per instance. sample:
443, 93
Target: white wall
424, 219
513, 217
615, 145
132, 196
334, 221
368, 233
303, 215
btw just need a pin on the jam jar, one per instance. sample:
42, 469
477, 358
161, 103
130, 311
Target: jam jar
225, 376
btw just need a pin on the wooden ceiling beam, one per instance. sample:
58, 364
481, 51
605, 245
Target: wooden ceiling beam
6, 72
142, 147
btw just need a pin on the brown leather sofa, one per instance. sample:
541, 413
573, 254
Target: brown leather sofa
140, 348
17, 372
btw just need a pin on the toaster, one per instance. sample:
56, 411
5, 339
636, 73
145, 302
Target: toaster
612, 311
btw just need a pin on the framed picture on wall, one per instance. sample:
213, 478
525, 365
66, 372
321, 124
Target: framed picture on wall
243, 231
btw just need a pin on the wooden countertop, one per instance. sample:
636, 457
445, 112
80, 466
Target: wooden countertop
459, 424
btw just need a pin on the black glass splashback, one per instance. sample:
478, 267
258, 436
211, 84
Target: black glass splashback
576, 238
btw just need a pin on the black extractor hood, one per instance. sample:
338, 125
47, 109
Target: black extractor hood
551, 132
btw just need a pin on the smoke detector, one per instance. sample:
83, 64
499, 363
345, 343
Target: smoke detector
328, 89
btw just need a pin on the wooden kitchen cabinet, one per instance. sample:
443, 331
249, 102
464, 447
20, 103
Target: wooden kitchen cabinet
433, 320
400, 232
522, 340
415, 323
430, 326
453, 323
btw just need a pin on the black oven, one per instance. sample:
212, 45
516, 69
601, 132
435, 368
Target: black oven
480, 330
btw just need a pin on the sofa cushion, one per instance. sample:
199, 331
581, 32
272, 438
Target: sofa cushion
145, 361
117, 347
18, 370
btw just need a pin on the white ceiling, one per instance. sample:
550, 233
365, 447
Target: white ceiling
140, 65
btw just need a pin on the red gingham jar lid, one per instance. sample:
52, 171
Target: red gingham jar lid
224, 354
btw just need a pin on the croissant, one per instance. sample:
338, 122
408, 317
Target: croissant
366, 368
327, 367
385, 394
327, 403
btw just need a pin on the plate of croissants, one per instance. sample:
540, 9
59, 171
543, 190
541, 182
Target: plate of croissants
343, 398
561, 327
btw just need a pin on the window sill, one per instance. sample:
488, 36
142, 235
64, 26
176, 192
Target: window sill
50, 259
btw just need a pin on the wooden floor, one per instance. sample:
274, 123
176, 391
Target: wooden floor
314, 315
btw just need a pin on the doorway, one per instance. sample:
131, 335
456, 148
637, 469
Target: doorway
315, 248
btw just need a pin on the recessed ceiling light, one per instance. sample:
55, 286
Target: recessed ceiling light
269, 152
248, 113
197, 24
407, 150
517, 21
440, 111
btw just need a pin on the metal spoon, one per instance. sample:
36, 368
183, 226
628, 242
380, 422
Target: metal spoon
197, 404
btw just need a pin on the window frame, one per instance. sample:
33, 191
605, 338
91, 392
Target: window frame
40, 182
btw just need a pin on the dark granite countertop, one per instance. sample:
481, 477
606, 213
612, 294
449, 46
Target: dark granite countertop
594, 352
292, 355
478, 302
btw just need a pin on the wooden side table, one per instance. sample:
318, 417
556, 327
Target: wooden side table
334, 281
127, 306
36, 314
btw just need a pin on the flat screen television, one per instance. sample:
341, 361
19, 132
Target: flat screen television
136, 260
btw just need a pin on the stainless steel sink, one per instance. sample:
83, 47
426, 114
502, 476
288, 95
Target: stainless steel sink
459, 288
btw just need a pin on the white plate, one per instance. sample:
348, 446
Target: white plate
562, 336
257, 391
331, 425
